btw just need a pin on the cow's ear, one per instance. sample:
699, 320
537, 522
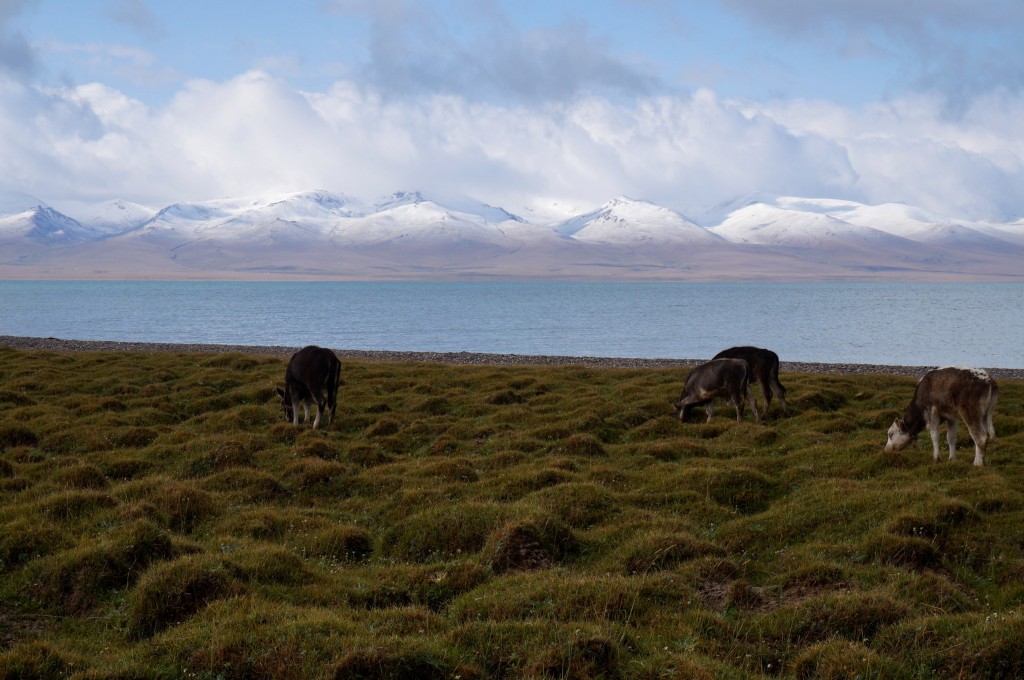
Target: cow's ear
899, 423
280, 391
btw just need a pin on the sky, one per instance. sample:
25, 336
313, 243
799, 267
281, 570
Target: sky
542, 107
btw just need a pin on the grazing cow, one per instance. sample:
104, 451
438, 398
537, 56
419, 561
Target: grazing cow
941, 396
313, 376
717, 378
764, 368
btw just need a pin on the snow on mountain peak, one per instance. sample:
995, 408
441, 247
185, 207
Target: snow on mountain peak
318, 202
109, 217
399, 198
625, 220
44, 225
410, 232
764, 224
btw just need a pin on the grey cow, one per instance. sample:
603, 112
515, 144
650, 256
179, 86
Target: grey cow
717, 378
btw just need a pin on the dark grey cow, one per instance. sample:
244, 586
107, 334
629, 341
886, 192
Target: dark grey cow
764, 368
312, 377
942, 396
717, 378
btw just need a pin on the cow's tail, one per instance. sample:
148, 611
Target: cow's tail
990, 407
335, 376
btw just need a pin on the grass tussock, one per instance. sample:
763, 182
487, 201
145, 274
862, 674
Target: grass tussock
73, 581
170, 592
159, 519
36, 659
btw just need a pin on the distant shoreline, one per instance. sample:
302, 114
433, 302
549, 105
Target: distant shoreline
462, 358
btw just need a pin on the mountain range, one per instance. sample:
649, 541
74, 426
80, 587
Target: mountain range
319, 234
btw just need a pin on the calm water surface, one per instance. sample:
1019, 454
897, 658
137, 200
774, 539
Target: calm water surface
980, 324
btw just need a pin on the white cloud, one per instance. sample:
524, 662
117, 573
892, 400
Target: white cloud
910, 150
255, 134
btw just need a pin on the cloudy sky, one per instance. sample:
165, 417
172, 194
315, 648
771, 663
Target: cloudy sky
528, 104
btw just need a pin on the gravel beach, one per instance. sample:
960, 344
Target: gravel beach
62, 345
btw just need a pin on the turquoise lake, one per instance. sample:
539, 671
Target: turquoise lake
976, 324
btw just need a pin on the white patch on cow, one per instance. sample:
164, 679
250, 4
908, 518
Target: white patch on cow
979, 373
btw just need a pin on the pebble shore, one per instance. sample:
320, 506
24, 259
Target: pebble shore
474, 358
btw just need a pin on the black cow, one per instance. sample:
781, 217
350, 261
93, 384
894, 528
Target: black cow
312, 377
717, 378
764, 368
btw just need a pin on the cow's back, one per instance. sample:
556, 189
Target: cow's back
761, 361
952, 387
313, 367
715, 374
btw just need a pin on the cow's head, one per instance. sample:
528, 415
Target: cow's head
899, 438
286, 403
677, 410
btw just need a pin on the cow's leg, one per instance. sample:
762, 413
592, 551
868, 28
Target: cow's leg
766, 390
709, 409
980, 436
321, 402
933, 430
990, 430
753, 405
951, 425
932, 422
332, 405
781, 391
737, 403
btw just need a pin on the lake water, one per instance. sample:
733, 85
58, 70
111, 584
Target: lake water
978, 324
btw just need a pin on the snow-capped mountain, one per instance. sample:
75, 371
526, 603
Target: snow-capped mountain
296, 216
463, 205
411, 224
109, 217
44, 225
410, 235
764, 224
812, 230
827, 223
630, 223
29, 222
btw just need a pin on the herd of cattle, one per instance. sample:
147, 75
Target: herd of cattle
941, 397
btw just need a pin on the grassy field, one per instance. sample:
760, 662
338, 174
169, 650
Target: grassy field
159, 519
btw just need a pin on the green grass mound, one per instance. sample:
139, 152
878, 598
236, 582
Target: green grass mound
159, 519
169, 593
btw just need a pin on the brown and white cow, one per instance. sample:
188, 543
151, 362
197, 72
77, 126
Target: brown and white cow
717, 378
942, 396
764, 368
312, 377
